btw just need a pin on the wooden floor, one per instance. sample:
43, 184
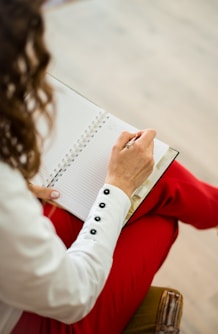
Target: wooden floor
155, 64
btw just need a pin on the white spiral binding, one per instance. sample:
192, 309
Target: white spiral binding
77, 148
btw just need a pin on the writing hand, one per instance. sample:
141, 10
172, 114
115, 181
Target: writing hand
130, 165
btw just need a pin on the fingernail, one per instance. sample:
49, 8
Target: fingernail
55, 194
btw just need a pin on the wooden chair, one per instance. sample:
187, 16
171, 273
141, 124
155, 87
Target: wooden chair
159, 313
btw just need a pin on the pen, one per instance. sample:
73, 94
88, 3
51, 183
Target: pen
131, 141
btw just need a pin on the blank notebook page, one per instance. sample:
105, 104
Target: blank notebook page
80, 183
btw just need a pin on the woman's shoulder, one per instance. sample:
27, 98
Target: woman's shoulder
15, 197
10, 178
18, 204
6, 169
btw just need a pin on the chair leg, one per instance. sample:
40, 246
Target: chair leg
169, 312
159, 313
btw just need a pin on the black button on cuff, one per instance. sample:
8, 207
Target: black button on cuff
93, 231
102, 205
106, 191
97, 218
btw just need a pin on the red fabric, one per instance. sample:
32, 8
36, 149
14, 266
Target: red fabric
141, 249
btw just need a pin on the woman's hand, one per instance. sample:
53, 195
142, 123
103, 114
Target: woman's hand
46, 194
130, 166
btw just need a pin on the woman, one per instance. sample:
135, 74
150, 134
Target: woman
58, 274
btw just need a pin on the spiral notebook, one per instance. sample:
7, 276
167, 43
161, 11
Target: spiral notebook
75, 159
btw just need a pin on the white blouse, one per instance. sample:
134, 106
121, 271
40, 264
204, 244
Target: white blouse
37, 272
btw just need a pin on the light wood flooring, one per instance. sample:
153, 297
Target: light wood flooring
155, 64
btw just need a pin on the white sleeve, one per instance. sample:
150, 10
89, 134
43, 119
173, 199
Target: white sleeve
37, 273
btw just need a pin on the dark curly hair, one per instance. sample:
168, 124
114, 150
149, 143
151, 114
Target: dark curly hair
25, 94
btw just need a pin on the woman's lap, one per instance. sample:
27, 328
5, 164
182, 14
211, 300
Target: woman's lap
141, 250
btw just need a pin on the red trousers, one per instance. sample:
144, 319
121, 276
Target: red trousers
141, 249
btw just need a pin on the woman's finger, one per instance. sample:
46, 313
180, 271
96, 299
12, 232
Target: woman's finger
44, 193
